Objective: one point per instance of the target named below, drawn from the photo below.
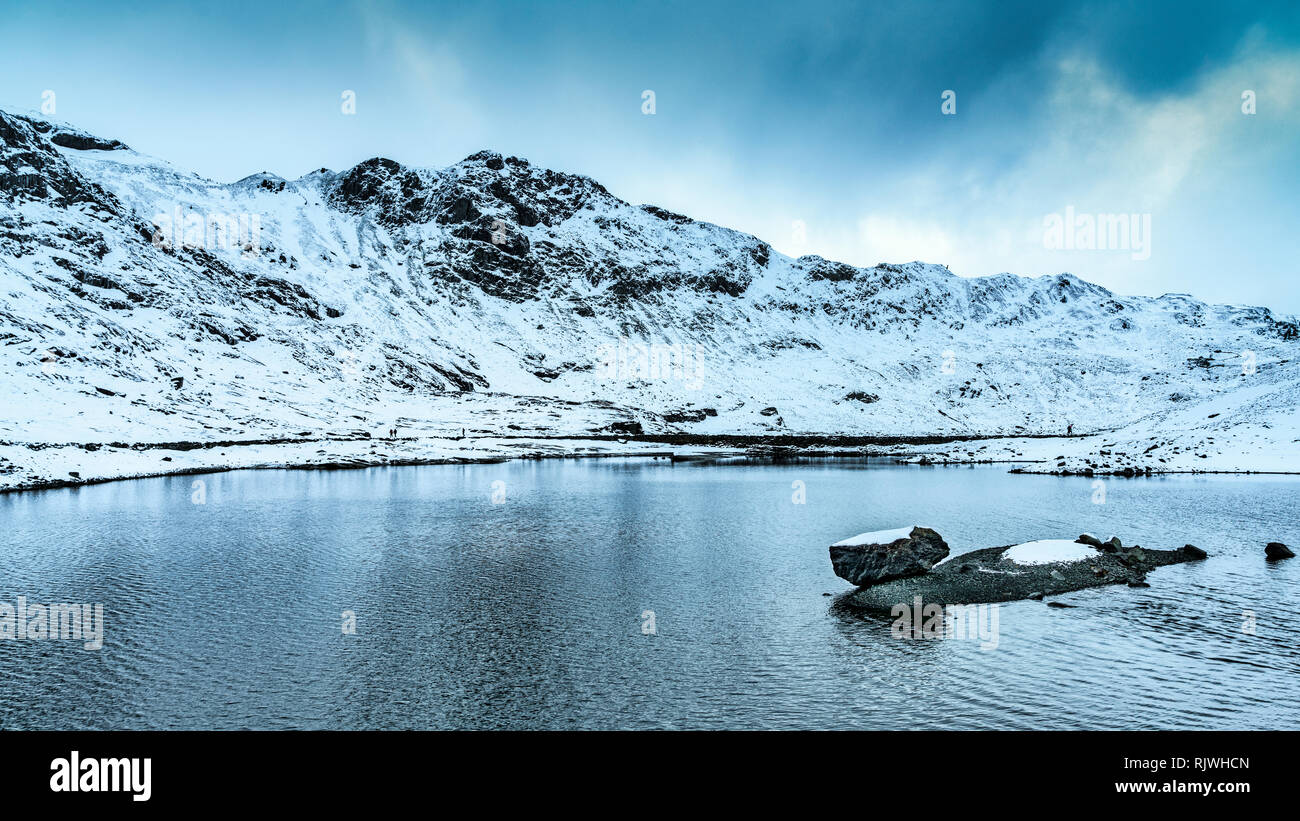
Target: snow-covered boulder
(870, 558)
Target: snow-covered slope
(502, 297)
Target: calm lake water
(531, 613)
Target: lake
(613, 593)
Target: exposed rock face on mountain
(142, 303)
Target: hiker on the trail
(1069, 429)
(462, 433)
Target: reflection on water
(531, 613)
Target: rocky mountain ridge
(507, 298)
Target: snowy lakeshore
(38, 465)
(33, 466)
(27, 467)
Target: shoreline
(37, 466)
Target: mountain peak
(489, 159)
(68, 136)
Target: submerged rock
(1276, 550)
(871, 558)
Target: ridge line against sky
(818, 128)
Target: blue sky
(816, 126)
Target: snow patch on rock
(877, 537)
(1049, 551)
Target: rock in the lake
(1112, 546)
(1276, 550)
(1193, 551)
(1133, 557)
(1090, 540)
(1031, 570)
(890, 554)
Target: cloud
(1181, 156)
(887, 238)
(430, 79)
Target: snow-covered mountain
(142, 303)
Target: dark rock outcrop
(32, 169)
(1276, 551)
(629, 428)
(1133, 557)
(85, 142)
(690, 415)
(862, 396)
(872, 563)
(987, 576)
